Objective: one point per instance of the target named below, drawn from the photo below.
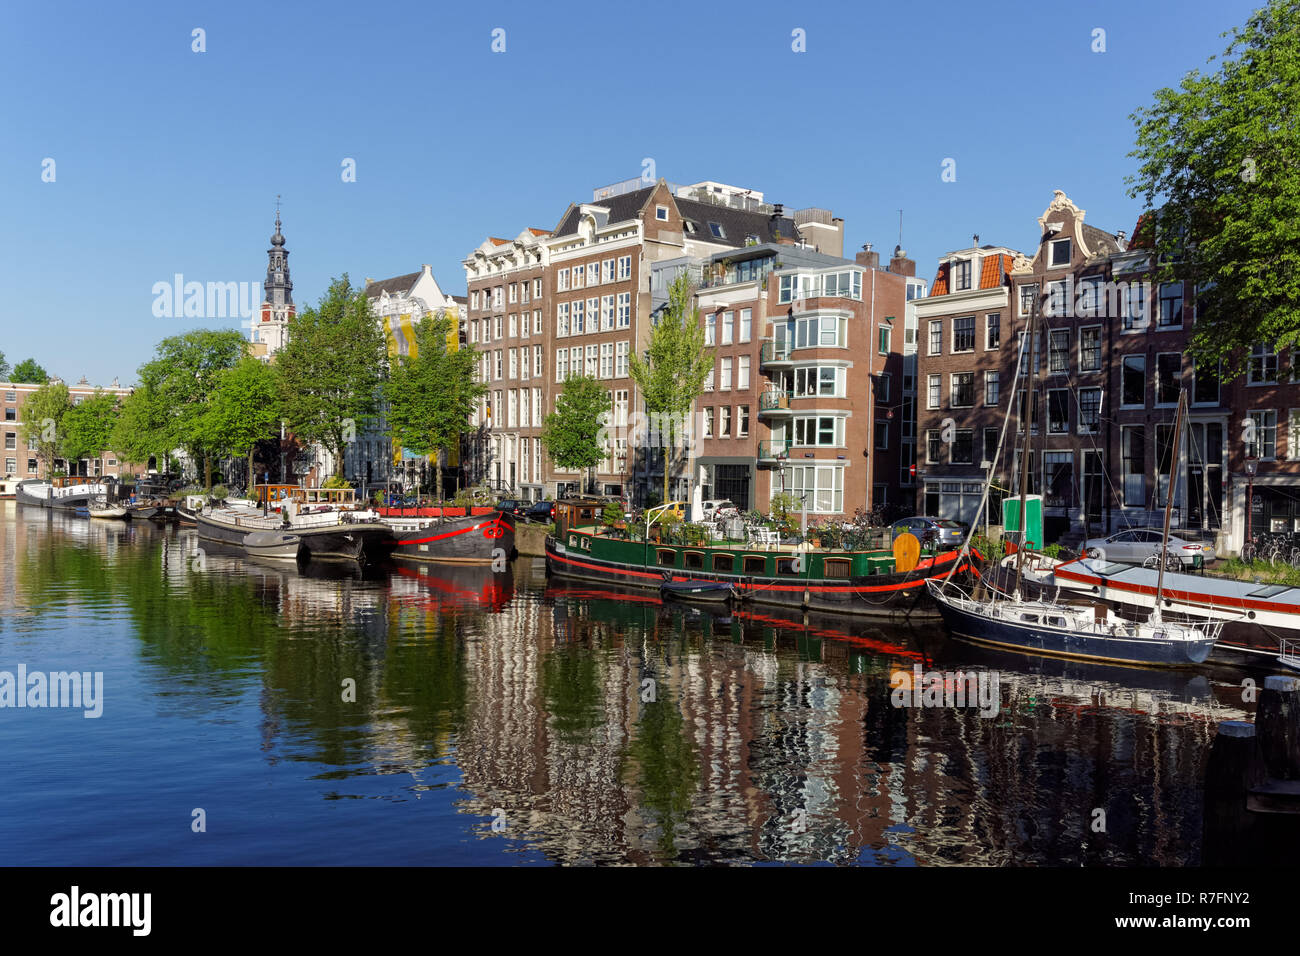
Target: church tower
(277, 305)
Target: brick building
(20, 461)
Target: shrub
(336, 481)
(220, 492)
(612, 514)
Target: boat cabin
(72, 481)
(274, 494)
(338, 497)
(576, 513)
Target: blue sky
(168, 160)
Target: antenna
(900, 228)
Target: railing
(774, 450)
(773, 400)
(773, 352)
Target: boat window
(573, 540)
(667, 557)
(1110, 567)
(1270, 590)
(1056, 621)
(1030, 618)
(724, 562)
(836, 567)
(693, 559)
(755, 564)
(788, 566)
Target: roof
(498, 242)
(393, 286)
(538, 232)
(462, 299)
(993, 269)
(1100, 241)
(736, 224)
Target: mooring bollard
(1233, 767)
(1278, 721)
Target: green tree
(4, 367)
(141, 429)
(1217, 165)
(43, 414)
(244, 409)
(27, 372)
(332, 368)
(87, 426)
(182, 379)
(574, 433)
(431, 392)
(671, 376)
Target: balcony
(773, 354)
(774, 402)
(773, 452)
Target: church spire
(279, 287)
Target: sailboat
(1094, 632)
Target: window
(514, 324)
(1133, 306)
(625, 267)
(1090, 349)
(523, 295)
(711, 329)
(1133, 450)
(932, 446)
(963, 390)
(814, 331)
(706, 421)
(724, 380)
(537, 289)
(562, 281)
(499, 361)
(593, 359)
(514, 363)
(742, 373)
(1028, 293)
(728, 326)
(724, 421)
(1261, 434)
(473, 300)
(1133, 381)
(593, 274)
(497, 333)
(990, 447)
(620, 359)
(513, 293)
(1169, 368)
(963, 447)
(1058, 352)
(1057, 299)
(746, 321)
(1036, 358)
(822, 486)
(624, 309)
(1263, 365)
(1171, 304)
(11, 466)
(1020, 412)
(496, 297)
(936, 337)
(1089, 411)
(561, 364)
(716, 230)
(991, 383)
(606, 359)
(1205, 385)
(11, 414)
(562, 319)
(883, 345)
(1058, 479)
(1088, 304)
(824, 430)
(846, 285)
(742, 422)
(578, 311)
(828, 381)
(992, 330)
(961, 275)
(593, 315)
(963, 334)
(1059, 253)
(1058, 411)
(883, 382)
(537, 420)
(882, 433)
(607, 313)
(932, 392)
(577, 277)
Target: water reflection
(603, 726)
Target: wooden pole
(1027, 419)
(1278, 720)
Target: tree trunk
(252, 479)
(437, 476)
(207, 473)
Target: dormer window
(661, 213)
(961, 275)
(717, 231)
(1059, 253)
(691, 228)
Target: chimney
(900, 264)
(868, 258)
(1121, 239)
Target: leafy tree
(432, 391)
(671, 376)
(244, 408)
(1217, 164)
(87, 426)
(27, 372)
(43, 414)
(140, 430)
(182, 379)
(4, 367)
(574, 433)
(332, 368)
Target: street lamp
(1252, 468)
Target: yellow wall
(400, 333)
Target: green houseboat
(820, 579)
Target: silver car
(943, 532)
(1137, 545)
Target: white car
(1136, 545)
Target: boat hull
(478, 539)
(880, 595)
(992, 632)
(35, 494)
(280, 545)
(343, 541)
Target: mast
(1169, 502)
(1027, 417)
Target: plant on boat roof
(783, 507)
(612, 514)
(220, 492)
(336, 481)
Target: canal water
(255, 714)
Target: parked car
(711, 506)
(513, 506)
(942, 532)
(542, 512)
(1136, 545)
